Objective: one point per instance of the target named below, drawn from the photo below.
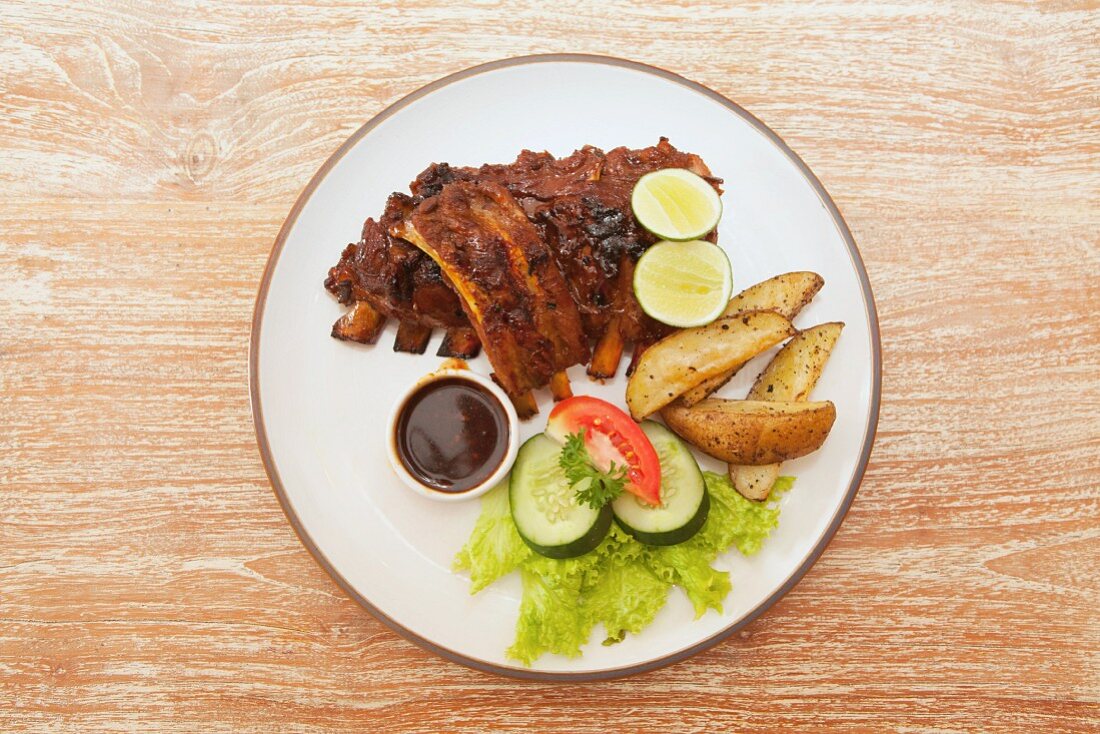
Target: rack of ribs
(506, 279)
(579, 208)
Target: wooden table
(148, 155)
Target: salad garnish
(594, 487)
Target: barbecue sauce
(452, 434)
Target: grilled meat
(462, 343)
(580, 210)
(360, 324)
(581, 206)
(506, 278)
(396, 278)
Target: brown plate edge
(523, 673)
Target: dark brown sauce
(452, 434)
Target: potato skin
(687, 357)
(785, 294)
(752, 432)
(754, 482)
(794, 371)
(791, 375)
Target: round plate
(320, 405)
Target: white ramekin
(511, 421)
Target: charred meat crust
(510, 287)
(460, 343)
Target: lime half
(683, 283)
(676, 204)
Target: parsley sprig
(603, 486)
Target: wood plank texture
(148, 155)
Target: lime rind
(676, 204)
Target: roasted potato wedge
(752, 432)
(785, 294)
(754, 482)
(795, 369)
(687, 357)
(791, 375)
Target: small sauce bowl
(440, 422)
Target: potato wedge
(687, 357)
(752, 432)
(796, 368)
(791, 375)
(785, 294)
(754, 482)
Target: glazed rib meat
(506, 278)
(397, 279)
(581, 206)
(578, 209)
(388, 277)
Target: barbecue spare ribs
(533, 259)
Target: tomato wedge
(610, 435)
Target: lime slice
(683, 283)
(676, 204)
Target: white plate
(320, 405)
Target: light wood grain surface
(148, 155)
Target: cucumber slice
(544, 505)
(684, 499)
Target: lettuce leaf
(622, 584)
(556, 614)
(688, 566)
(736, 521)
(494, 548)
(625, 595)
(550, 619)
(733, 521)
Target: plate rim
(274, 479)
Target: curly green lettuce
(622, 584)
(494, 548)
(624, 594)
